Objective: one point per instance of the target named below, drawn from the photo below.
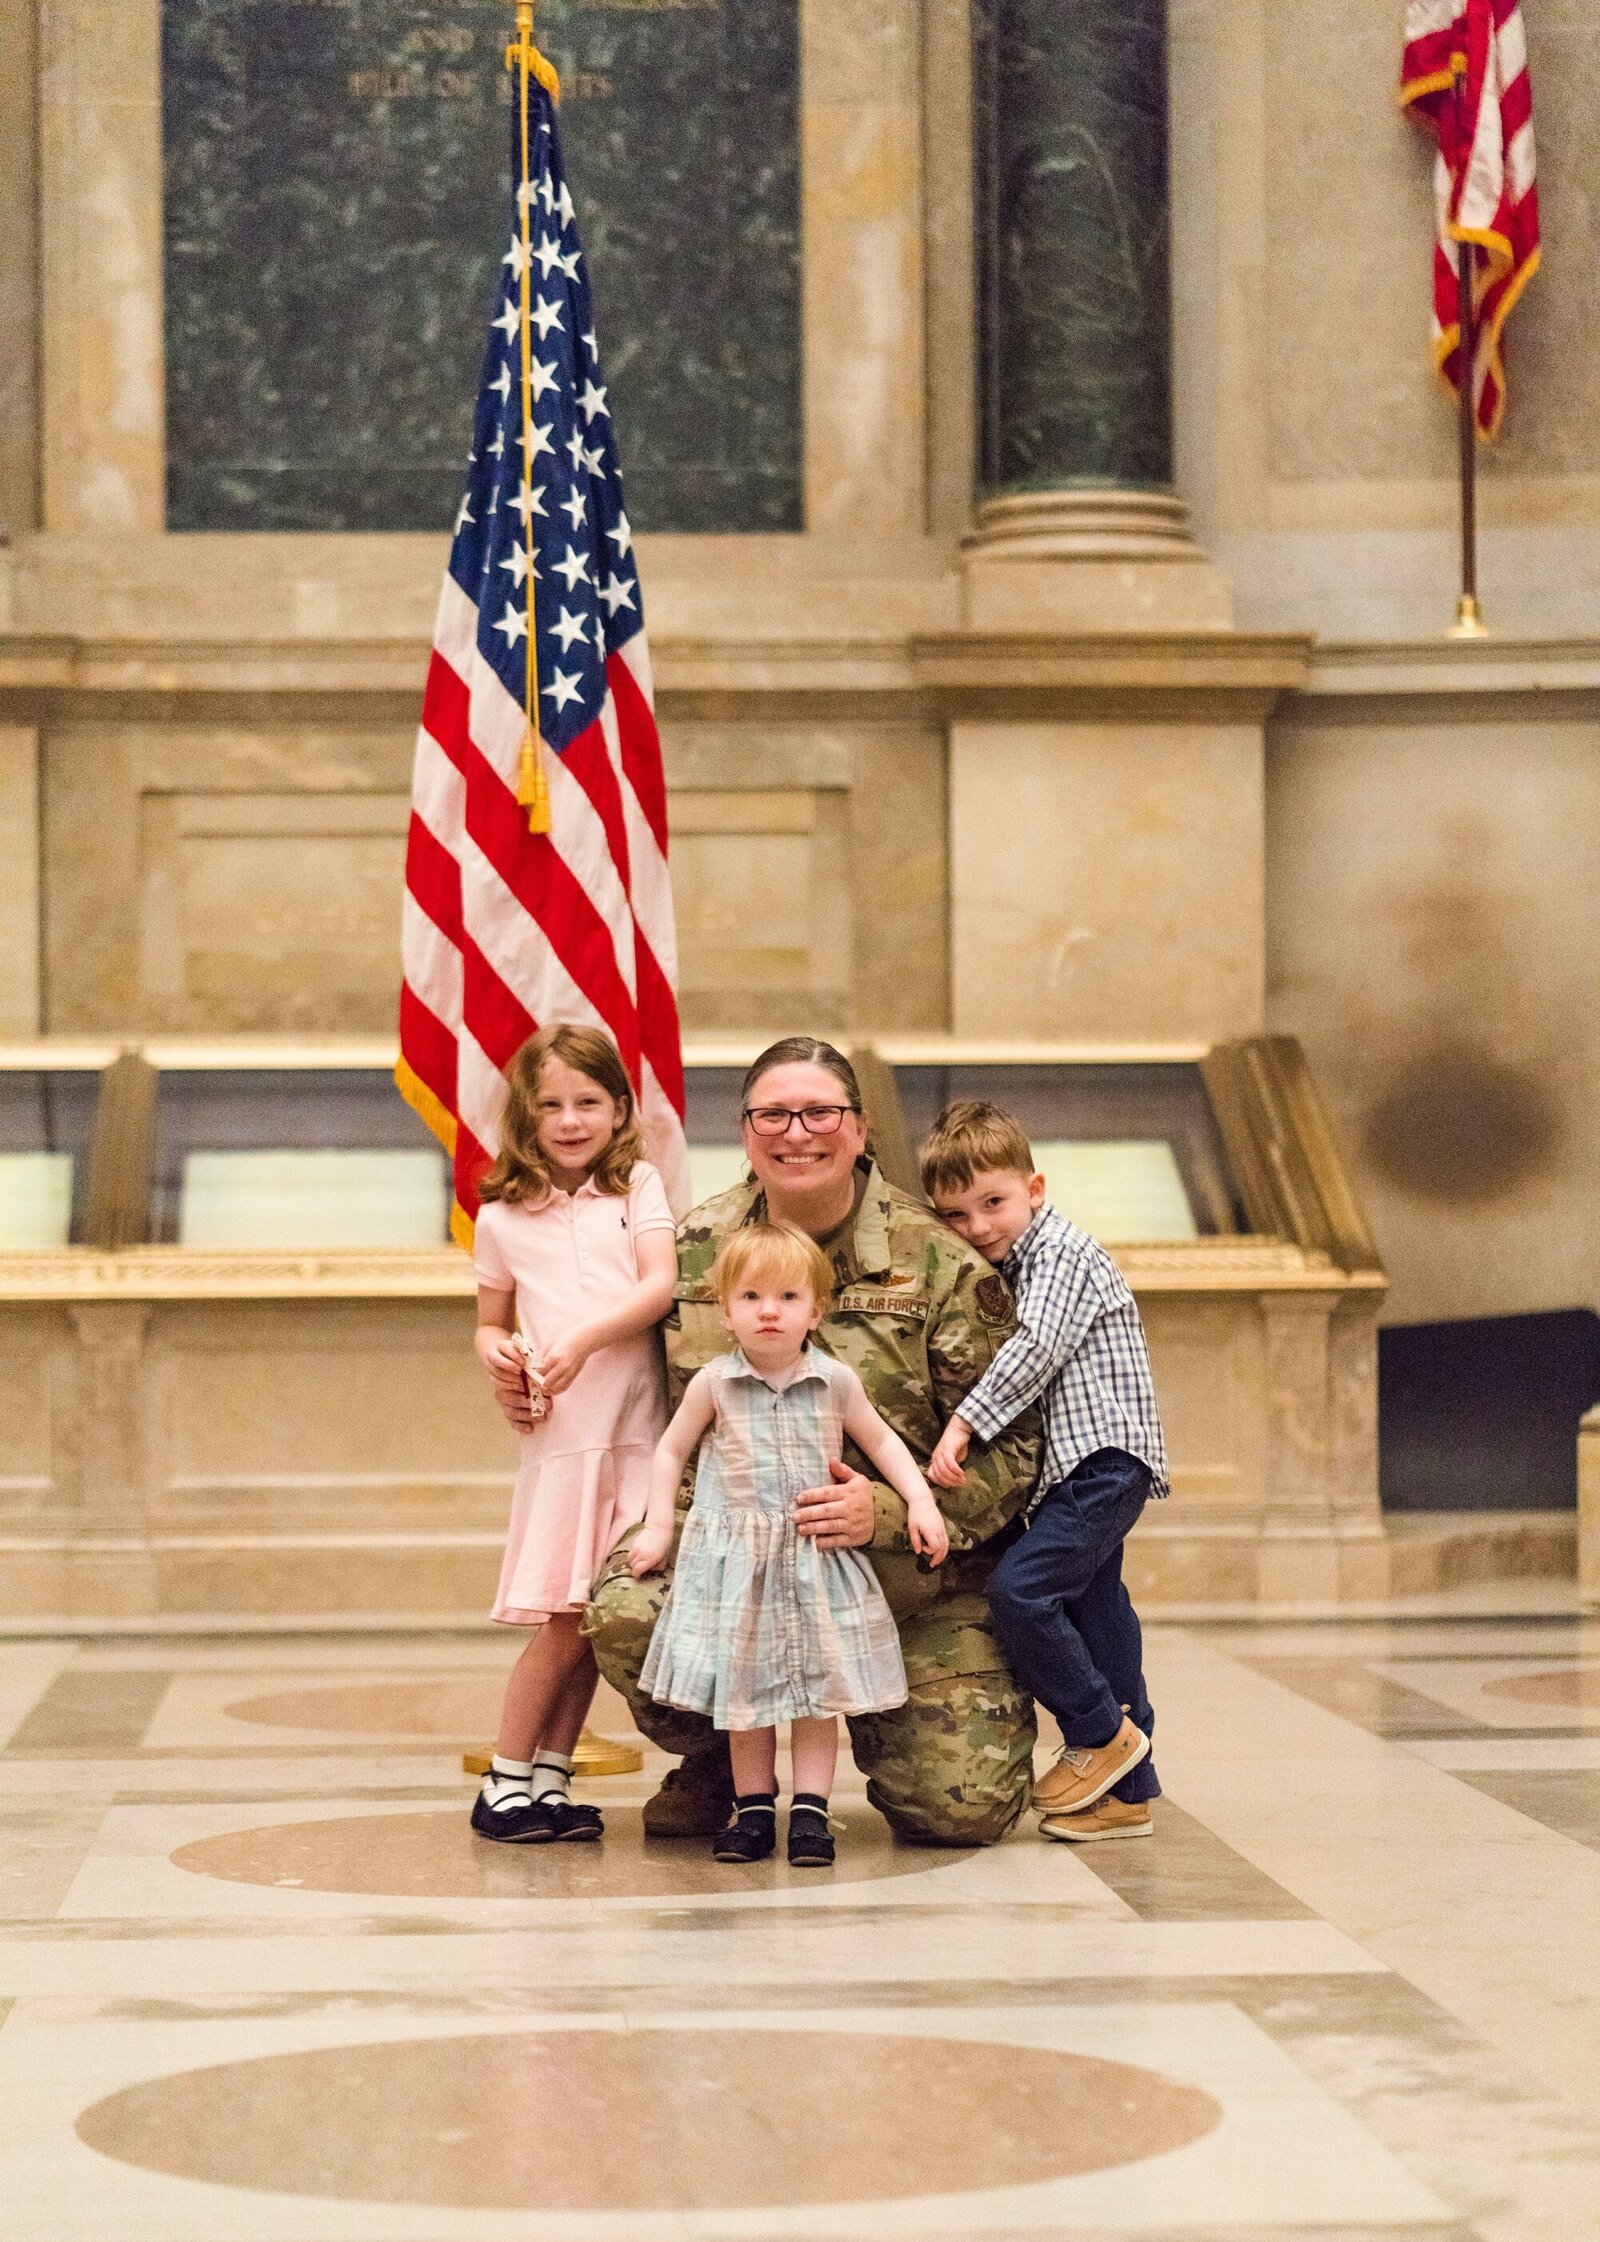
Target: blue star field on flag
(585, 583)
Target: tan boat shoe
(1080, 1775)
(1108, 1817)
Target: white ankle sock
(551, 1776)
(507, 1783)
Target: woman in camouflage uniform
(919, 1316)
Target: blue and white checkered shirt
(1080, 1346)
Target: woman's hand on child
(930, 1536)
(944, 1468)
(649, 1551)
(562, 1360)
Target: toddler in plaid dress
(760, 1625)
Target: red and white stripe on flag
(1465, 77)
(506, 931)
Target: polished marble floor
(257, 1980)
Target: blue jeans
(1063, 1617)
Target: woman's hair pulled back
(522, 1171)
(804, 1050)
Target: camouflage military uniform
(919, 1316)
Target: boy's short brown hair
(970, 1136)
(772, 1248)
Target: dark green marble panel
(335, 213)
(1074, 315)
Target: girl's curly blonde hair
(522, 1172)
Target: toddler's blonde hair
(771, 1249)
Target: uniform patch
(993, 1296)
(879, 1303)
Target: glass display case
(1129, 1150)
(293, 1151)
(47, 1127)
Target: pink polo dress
(584, 1476)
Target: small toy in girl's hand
(538, 1399)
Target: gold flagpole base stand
(1469, 622)
(594, 1755)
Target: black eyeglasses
(816, 1120)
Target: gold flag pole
(592, 1755)
(522, 56)
(1469, 622)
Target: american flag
(506, 930)
(1465, 77)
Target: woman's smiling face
(800, 1168)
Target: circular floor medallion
(465, 1707)
(422, 1855)
(1574, 1687)
(670, 2120)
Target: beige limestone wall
(216, 860)
(862, 308)
(1105, 879)
(1433, 931)
(20, 982)
(1314, 441)
(19, 277)
(100, 230)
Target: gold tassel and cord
(533, 788)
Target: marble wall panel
(100, 270)
(390, 1411)
(900, 880)
(1433, 889)
(948, 245)
(19, 880)
(205, 878)
(1352, 393)
(19, 272)
(335, 185)
(1105, 879)
(29, 1350)
(1206, 1359)
(864, 350)
(257, 907)
(761, 882)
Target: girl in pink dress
(576, 1261)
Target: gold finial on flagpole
(541, 65)
(522, 56)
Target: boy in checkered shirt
(1056, 1597)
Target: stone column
(1074, 327)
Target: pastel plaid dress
(760, 1625)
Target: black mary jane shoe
(575, 1825)
(513, 1825)
(752, 1835)
(810, 1839)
